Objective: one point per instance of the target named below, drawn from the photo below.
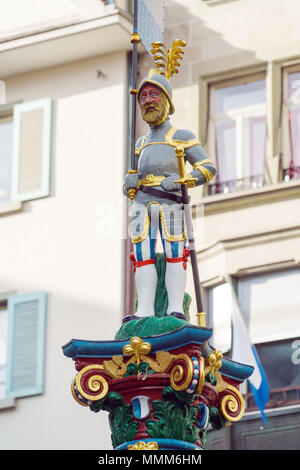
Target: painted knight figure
(155, 188)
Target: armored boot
(145, 281)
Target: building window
(270, 304)
(6, 154)
(281, 364)
(237, 133)
(3, 346)
(25, 148)
(22, 344)
(291, 124)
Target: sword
(184, 181)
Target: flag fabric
(151, 19)
(244, 351)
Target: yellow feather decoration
(169, 60)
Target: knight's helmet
(167, 63)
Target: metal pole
(191, 239)
(134, 40)
(129, 297)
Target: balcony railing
(291, 173)
(283, 396)
(232, 186)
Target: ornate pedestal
(161, 383)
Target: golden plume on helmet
(167, 63)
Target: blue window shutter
(26, 344)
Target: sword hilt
(184, 178)
(179, 150)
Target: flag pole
(135, 39)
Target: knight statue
(154, 186)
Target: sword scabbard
(184, 179)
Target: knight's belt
(161, 194)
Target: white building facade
(64, 131)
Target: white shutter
(32, 148)
(26, 344)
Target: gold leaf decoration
(143, 446)
(168, 61)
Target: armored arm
(203, 168)
(132, 179)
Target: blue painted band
(183, 336)
(188, 334)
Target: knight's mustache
(150, 107)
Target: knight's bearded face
(154, 105)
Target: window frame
(241, 117)
(286, 152)
(7, 116)
(6, 402)
(40, 336)
(275, 392)
(14, 111)
(245, 387)
(277, 139)
(6, 112)
(3, 307)
(46, 105)
(11, 299)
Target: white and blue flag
(244, 351)
(151, 19)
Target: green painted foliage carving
(122, 425)
(173, 419)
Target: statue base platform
(161, 383)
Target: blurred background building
(64, 269)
